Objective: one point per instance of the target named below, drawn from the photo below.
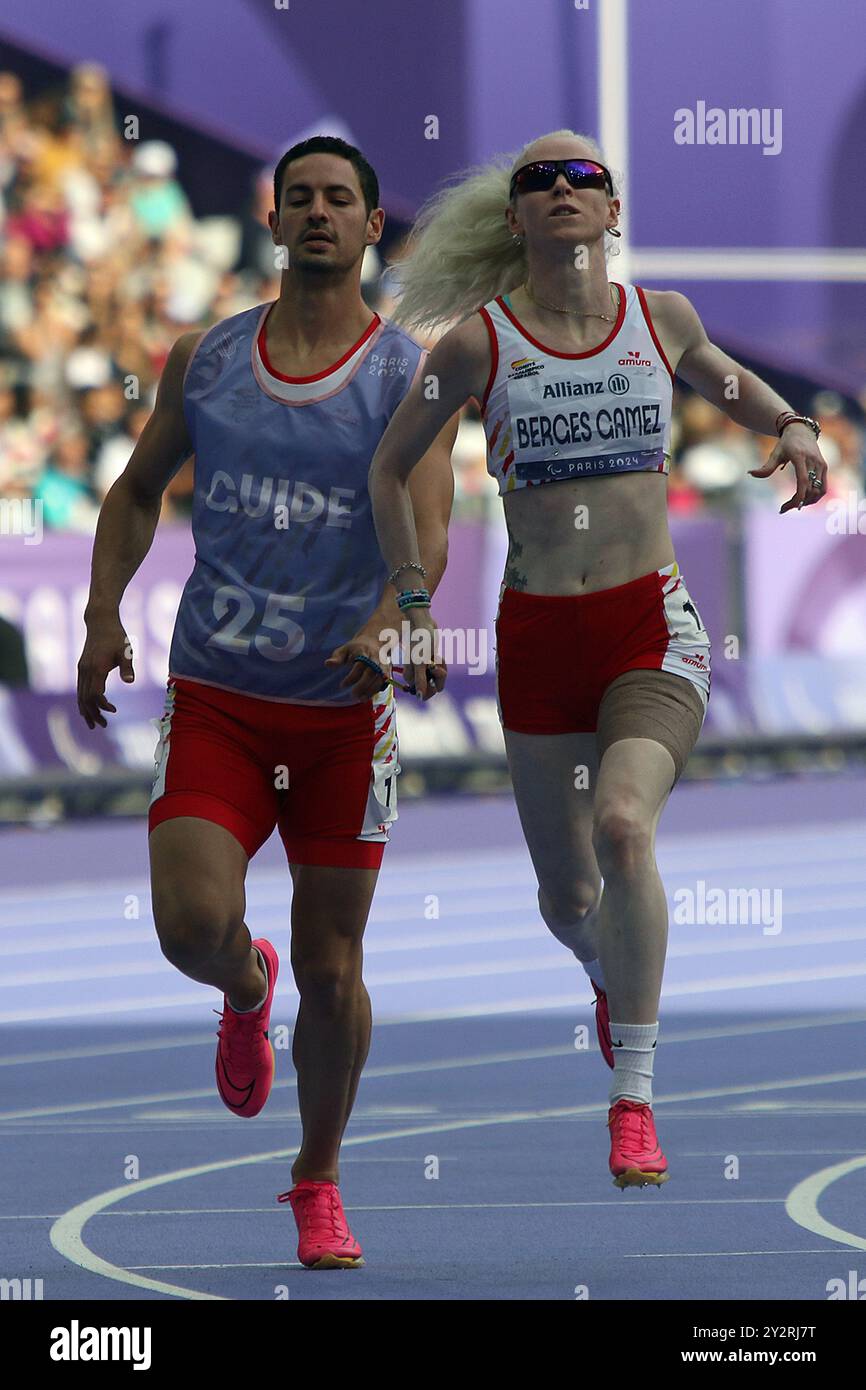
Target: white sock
(633, 1056)
(256, 1007)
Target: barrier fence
(784, 601)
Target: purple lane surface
(87, 849)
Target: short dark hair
(331, 144)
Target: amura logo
(633, 359)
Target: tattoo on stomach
(513, 578)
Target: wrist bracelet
(373, 665)
(413, 598)
(789, 418)
(409, 565)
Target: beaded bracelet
(413, 598)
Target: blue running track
(475, 1164)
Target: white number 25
(235, 635)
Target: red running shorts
(557, 655)
(325, 775)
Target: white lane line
(289, 1123)
(718, 1254)
(75, 1054)
(416, 1068)
(787, 1152)
(67, 1238)
(418, 941)
(685, 990)
(802, 1202)
(843, 1107)
(66, 1234)
(463, 1206)
(522, 897)
(485, 969)
(784, 941)
(262, 881)
(401, 864)
(66, 941)
(61, 916)
(290, 1083)
(414, 940)
(244, 1264)
(265, 889)
(373, 979)
(739, 1030)
(394, 1206)
(129, 1005)
(80, 974)
(720, 983)
(500, 864)
(53, 907)
(674, 1255)
(474, 1009)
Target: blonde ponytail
(462, 253)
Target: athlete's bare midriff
(578, 535)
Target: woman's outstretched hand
(799, 447)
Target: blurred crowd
(103, 264)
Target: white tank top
(550, 415)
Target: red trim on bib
(494, 357)
(572, 356)
(649, 323)
(318, 376)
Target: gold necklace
(576, 312)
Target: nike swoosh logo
(227, 1083)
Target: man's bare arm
(125, 530)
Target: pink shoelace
(240, 1040)
(326, 1221)
(633, 1130)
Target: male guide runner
(603, 664)
(277, 709)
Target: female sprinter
(603, 664)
